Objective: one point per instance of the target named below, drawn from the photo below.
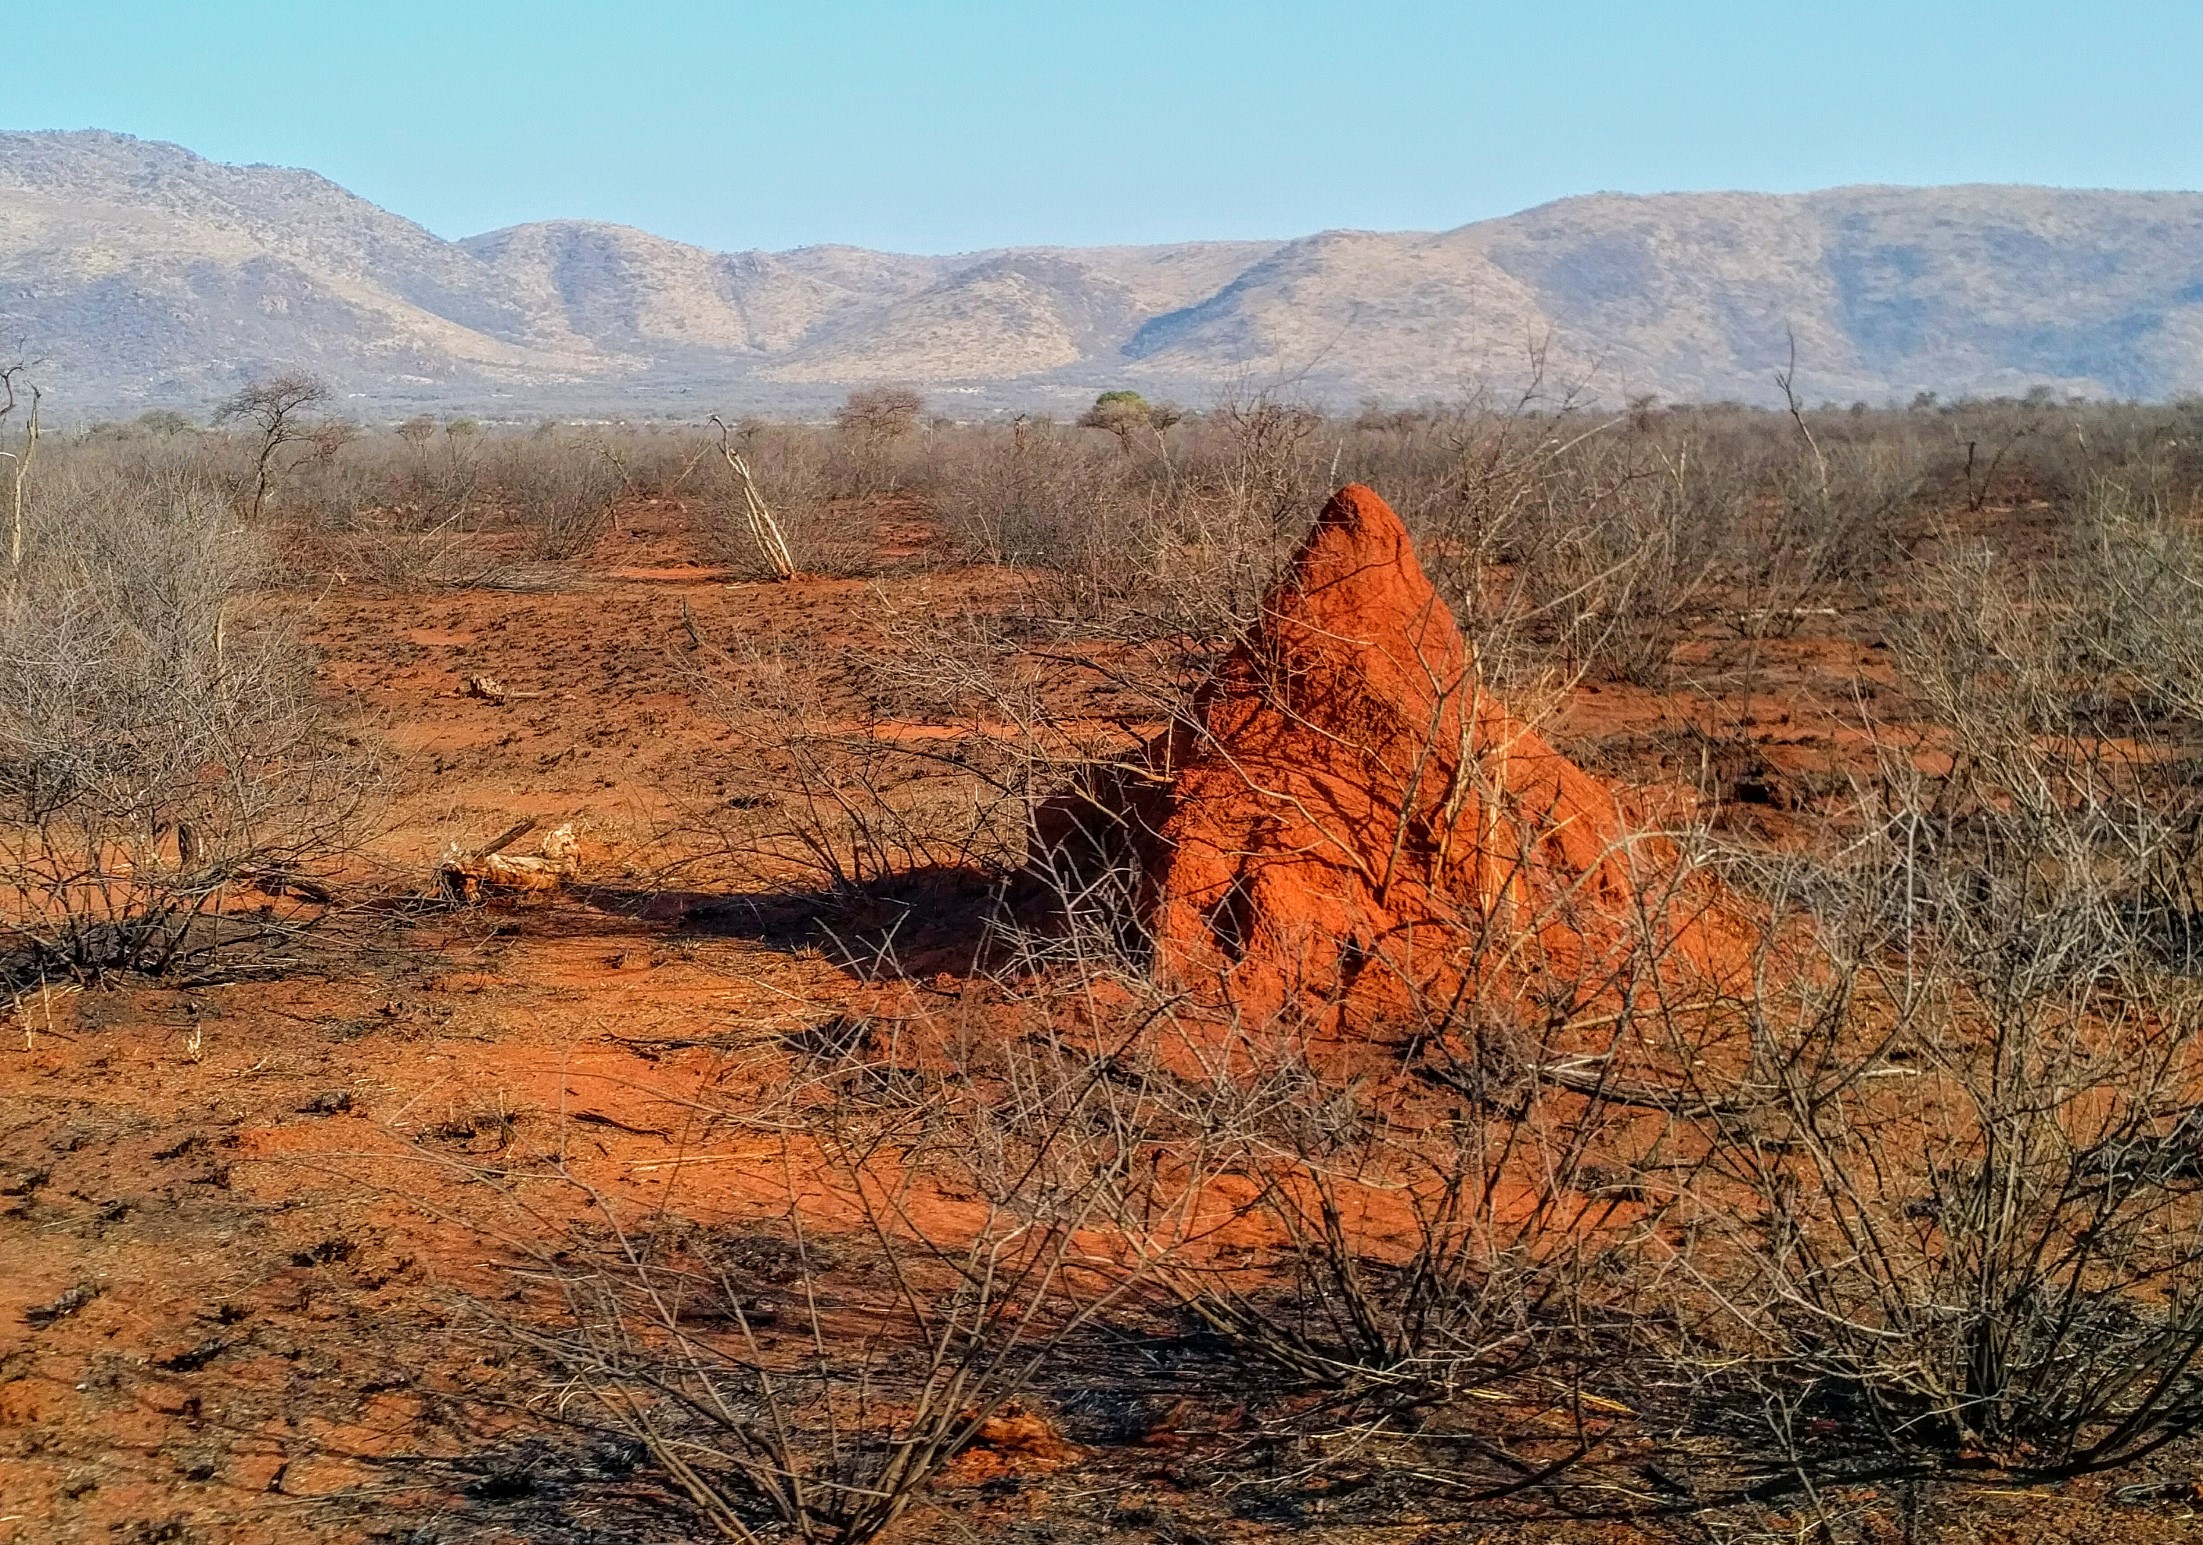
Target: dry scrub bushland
(1916, 1194)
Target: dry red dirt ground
(234, 1219)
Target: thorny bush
(169, 788)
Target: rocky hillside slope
(141, 274)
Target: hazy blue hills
(140, 274)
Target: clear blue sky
(941, 125)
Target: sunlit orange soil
(262, 1191)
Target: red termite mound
(1350, 821)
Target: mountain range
(138, 274)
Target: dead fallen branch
(489, 871)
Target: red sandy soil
(228, 1170)
(233, 1219)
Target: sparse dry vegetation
(1913, 1198)
(171, 790)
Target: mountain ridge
(142, 274)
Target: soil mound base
(1351, 816)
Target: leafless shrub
(275, 411)
(1425, 1283)
(168, 789)
(790, 1381)
(462, 504)
(871, 425)
(401, 509)
(1949, 1217)
(837, 792)
(1830, 523)
(2136, 575)
(1943, 1217)
(879, 413)
(1178, 532)
(560, 489)
(1026, 495)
